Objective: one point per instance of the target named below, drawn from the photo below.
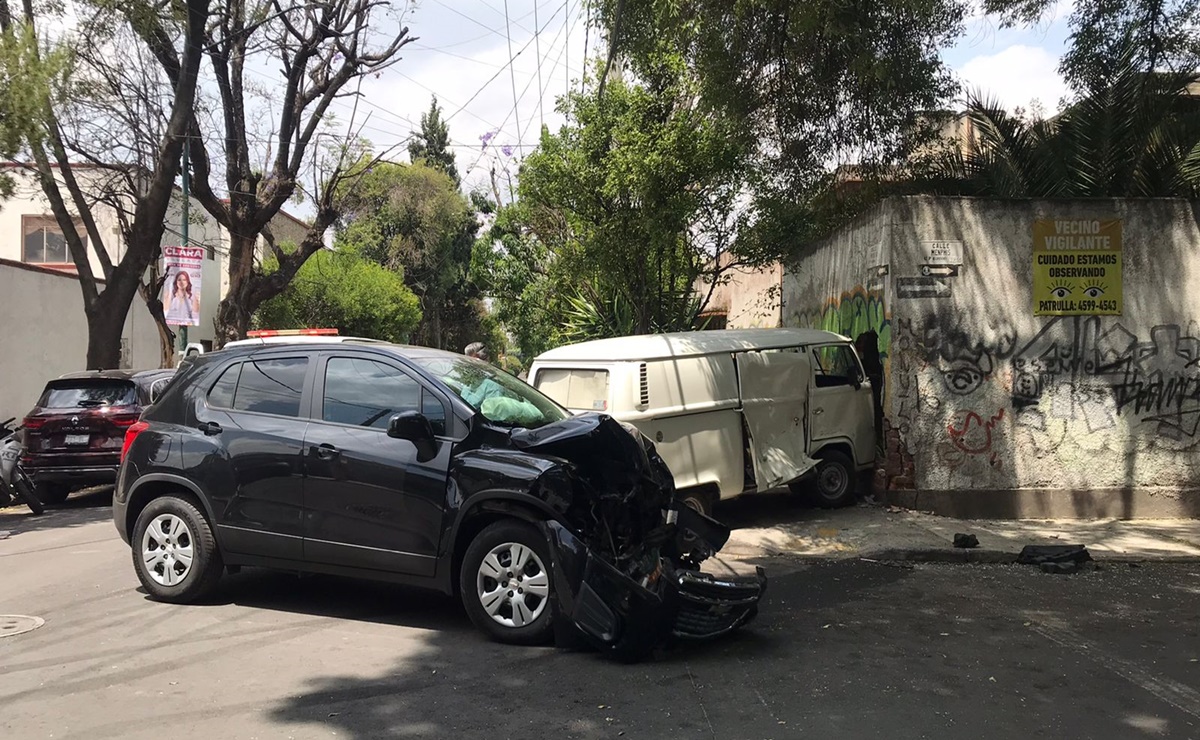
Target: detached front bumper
(614, 612)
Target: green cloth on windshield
(510, 411)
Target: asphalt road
(847, 649)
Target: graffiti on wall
(855, 312)
(1080, 369)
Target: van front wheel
(834, 482)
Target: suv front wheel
(174, 551)
(505, 583)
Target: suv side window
(366, 393)
(221, 394)
(435, 411)
(271, 386)
(834, 365)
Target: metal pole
(183, 230)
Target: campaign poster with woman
(181, 291)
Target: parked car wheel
(505, 583)
(53, 493)
(27, 494)
(698, 499)
(834, 481)
(174, 551)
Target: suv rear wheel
(174, 551)
(505, 583)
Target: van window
(834, 365)
(576, 389)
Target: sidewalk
(775, 524)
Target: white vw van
(730, 411)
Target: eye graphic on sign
(1093, 290)
(1060, 290)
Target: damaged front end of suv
(625, 554)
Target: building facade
(41, 304)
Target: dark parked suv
(426, 468)
(73, 435)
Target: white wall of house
(41, 305)
(45, 334)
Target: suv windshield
(75, 394)
(501, 398)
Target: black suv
(427, 468)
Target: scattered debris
(1038, 554)
(894, 510)
(965, 540)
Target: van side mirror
(413, 426)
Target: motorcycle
(14, 483)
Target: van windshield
(499, 397)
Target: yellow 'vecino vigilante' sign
(1076, 267)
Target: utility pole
(183, 231)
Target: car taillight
(124, 420)
(33, 422)
(131, 434)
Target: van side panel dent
(774, 387)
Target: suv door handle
(326, 451)
(209, 427)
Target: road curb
(1001, 557)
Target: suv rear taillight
(131, 434)
(33, 422)
(124, 420)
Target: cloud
(1016, 76)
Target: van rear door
(774, 393)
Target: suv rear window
(73, 394)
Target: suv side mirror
(413, 426)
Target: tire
(520, 617)
(699, 499)
(25, 492)
(53, 493)
(834, 484)
(167, 528)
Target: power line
(520, 136)
(537, 50)
(491, 79)
(512, 70)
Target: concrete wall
(992, 410)
(45, 334)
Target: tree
(341, 289)
(1108, 36)
(618, 214)
(431, 145)
(143, 160)
(322, 50)
(413, 218)
(809, 86)
(1138, 136)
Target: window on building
(43, 241)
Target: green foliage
(1137, 136)
(413, 218)
(605, 237)
(30, 78)
(341, 289)
(431, 145)
(1109, 35)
